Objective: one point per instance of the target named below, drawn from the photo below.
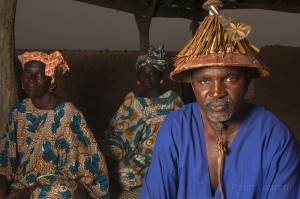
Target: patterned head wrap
(52, 62)
(219, 41)
(155, 58)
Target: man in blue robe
(221, 146)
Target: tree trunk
(8, 81)
(143, 23)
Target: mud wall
(280, 92)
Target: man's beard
(222, 106)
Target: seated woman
(48, 151)
(132, 131)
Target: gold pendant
(221, 147)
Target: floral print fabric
(54, 148)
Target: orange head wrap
(52, 62)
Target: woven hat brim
(258, 68)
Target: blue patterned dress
(131, 136)
(54, 148)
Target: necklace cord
(222, 151)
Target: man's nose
(217, 90)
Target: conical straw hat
(219, 41)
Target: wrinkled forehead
(219, 69)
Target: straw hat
(219, 41)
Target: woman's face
(149, 77)
(34, 80)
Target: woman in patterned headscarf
(133, 129)
(48, 151)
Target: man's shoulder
(188, 109)
(268, 124)
(184, 114)
(266, 117)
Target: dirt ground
(99, 80)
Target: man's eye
(229, 79)
(204, 81)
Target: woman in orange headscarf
(48, 151)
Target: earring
(138, 82)
(52, 87)
(22, 86)
(161, 81)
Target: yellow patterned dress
(131, 135)
(54, 148)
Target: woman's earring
(22, 86)
(138, 82)
(161, 81)
(52, 87)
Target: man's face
(220, 91)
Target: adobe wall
(99, 80)
(280, 92)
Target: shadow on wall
(99, 81)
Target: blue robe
(264, 159)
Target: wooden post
(143, 23)
(8, 80)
